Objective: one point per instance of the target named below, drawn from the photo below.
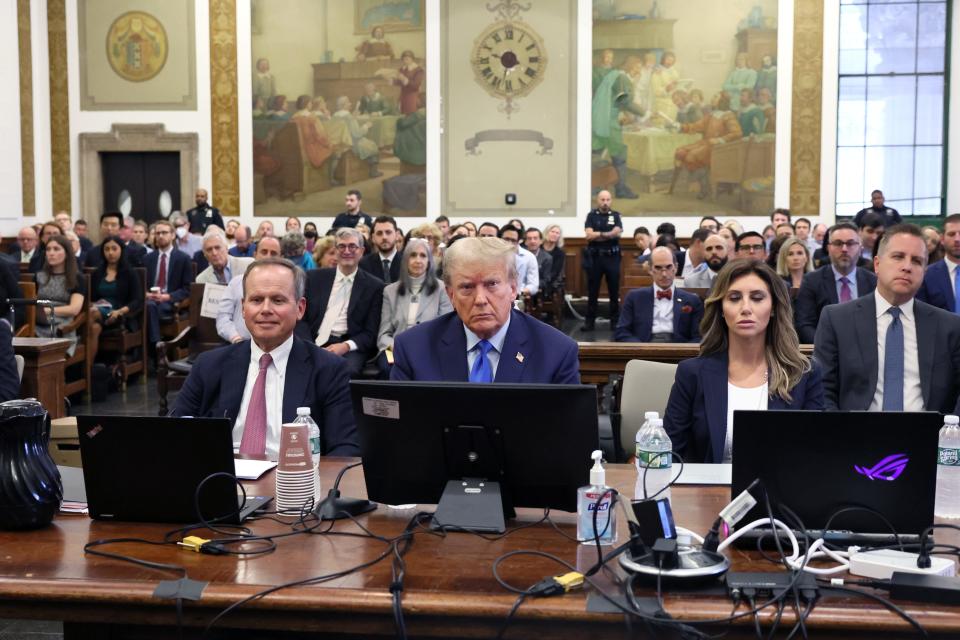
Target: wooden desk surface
(449, 587)
(39, 345)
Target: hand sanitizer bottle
(596, 496)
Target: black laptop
(147, 469)
(817, 463)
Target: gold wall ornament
(806, 121)
(137, 46)
(28, 177)
(59, 104)
(223, 107)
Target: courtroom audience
(26, 246)
(230, 324)
(417, 296)
(325, 252)
(751, 246)
(59, 281)
(709, 223)
(889, 351)
(311, 234)
(222, 267)
(184, 241)
(243, 244)
(730, 237)
(528, 273)
(839, 281)
(259, 383)
(734, 226)
(384, 262)
(264, 229)
(115, 293)
(169, 274)
(692, 260)
(871, 228)
(293, 247)
(779, 216)
(660, 313)
(488, 230)
(431, 232)
(533, 242)
(750, 359)
(715, 256)
(553, 244)
(343, 305)
(935, 249)
(793, 261)
(471, 228)
(293, 224)
(939, 286)
(486, 340)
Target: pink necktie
(254, 441)
(845, 293)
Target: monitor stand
(471, 504)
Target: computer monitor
(476, 450)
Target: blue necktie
(893, 364)
(956, 289)
(482, 371)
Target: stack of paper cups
(296, 475)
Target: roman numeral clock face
(509, 60)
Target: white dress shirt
(494, 354)
(952, 272)
(662, 312)
(742, 399)
(276, 375)
(528, 272)
(689, 268)
(339, 314)
(912, 391)
(230, 321)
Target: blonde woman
(749, 359)
(325, 252)
(793, 261)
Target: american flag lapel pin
(519, 357)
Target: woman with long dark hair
(59, 282)
(115, 290)
(749, 358)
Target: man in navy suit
(384, 263)
(661, 313)
(889, 351)
(484, 339)
(259, 383)
(169, 275)
(939, 286)
(840, 281)
(343, 305)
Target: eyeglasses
(840, 244)
(512, 240)
(752, 248)
(347, 248)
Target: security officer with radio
(203, 215)
(601, 257)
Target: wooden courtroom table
(600, 360)
(449, 590)
(43, 371)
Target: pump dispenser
(596, 496)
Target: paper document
(697, 473)
(252, 469)
(211, 299)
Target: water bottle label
(654, 459)
(315, 445)
(948, 457)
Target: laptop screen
(817, 463)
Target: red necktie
(664, 294)
(162, 273)
(254, 439)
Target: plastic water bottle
(647, 417)
(303, 417)
(654, 458)
(948, 469)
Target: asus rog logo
(889, 468)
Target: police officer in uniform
(203, 214)
(890, 216)
(602, 258)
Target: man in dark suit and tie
(940, 283)
(889, 351)
(259, 383)
(110, 225)
(484, 339)
(383, 263)
(661, 313)
(169, 275)
(839, 281)
(343, 305)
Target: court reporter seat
(645, 386)
(201, 335)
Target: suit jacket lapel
(511, 364)
(865, 327)
(295, 380)
(233, 380)
(358, 276)
(453, 352)
(926, 323)
(943, 274)
(714, 379)
(677, 310)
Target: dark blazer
(200, 219)
(128, 289)
(179, 273)
(819, 289)
(696, 415)
(372, 263)
(533, 352)
(314, 378)
(850, 372)
(10, 288)
(9, 382)
(85, 244)
(636, 318)
(557, 268)
(344, 219)
(936, 288)
(136, 255)
(363, 313)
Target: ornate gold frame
(223, 106)
(806, 122)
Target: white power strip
(881, 564)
